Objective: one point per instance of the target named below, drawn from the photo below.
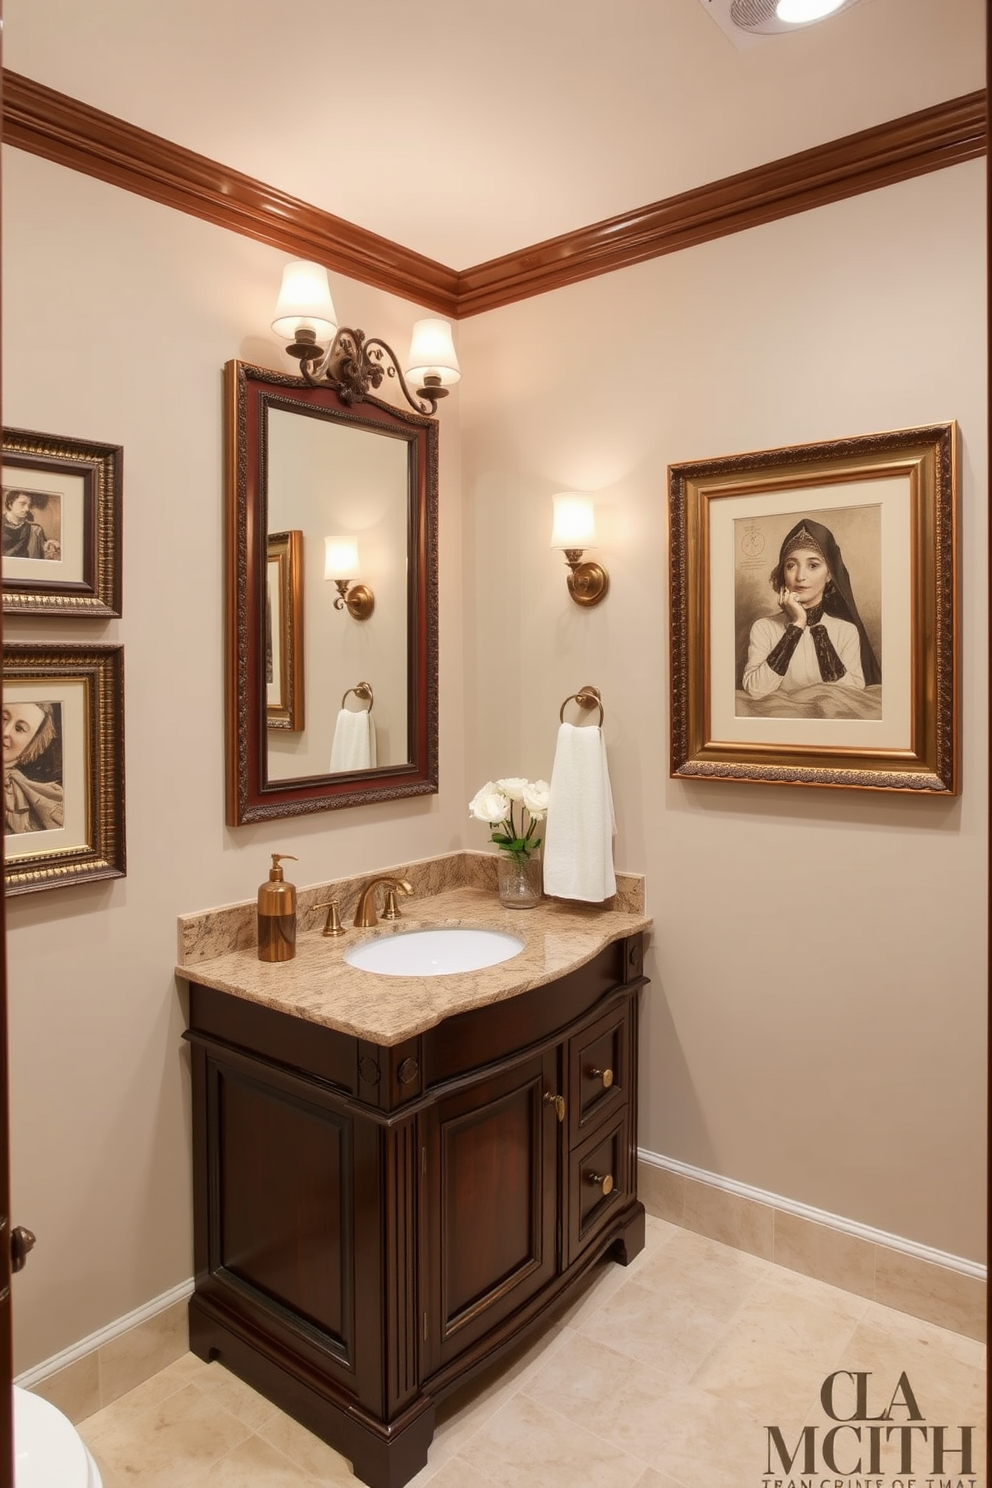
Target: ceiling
(466, 131)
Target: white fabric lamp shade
(575, 521)
(432, 353)
(340, 557)
(305, 302)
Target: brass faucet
(365, 914)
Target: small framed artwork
(813, 625)
(63, 765)
(284, 631)
(61, 526)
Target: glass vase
(518, 876)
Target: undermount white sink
(442, 952)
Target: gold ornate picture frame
(61, 526)
(63, 748)
(864, 530)
(284, 672)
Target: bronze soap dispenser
(277, 914)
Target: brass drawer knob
(604, 1184)
(558, 1101)
(606, 1075)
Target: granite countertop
(320, 987)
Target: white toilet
(48, 1451)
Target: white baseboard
(85, 1346)
(818, 1216)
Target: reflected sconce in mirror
(352, 363)
(574, 530)
(341, 565)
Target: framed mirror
(331, 681)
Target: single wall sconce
(341, 565)
(575, 530)
(352, 363)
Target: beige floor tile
(220, 1387)
(74, 1390)
(259, 1465)
(668, 1332)
(718, 1274)
(455, 1473)
(826, 1254)
(729, 1218)
(787, 1336)
(142, 1351)
(652, 1479)
(167, 1445)
(308, 1452)
(525, 1445)
(945, 1371)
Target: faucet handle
(332, 925)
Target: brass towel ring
(363, 691)
(586, 697)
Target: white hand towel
(578, 837)
(354, 742)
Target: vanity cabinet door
(489, 1203)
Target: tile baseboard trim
(95, 1341)
(818, 1216)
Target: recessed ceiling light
(799, 11)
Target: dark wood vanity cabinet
(374, 1224)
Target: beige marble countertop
(319, 986)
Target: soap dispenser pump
(277, 914)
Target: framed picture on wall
(61, 526)
(63, 760)
(284, 631)
(813, 614)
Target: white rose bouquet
(496, 804)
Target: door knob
(558, 1101)
(603, 1182)
(606, 1075)
(21, 1242)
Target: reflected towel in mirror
(578, 837)
(354, 742)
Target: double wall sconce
(341, 565)
(352, 363)
(574, 530)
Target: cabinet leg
(631, 1241)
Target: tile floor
(664, 1374)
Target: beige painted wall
(142, 306)
(848, 1073)
(815, 1022)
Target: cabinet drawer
(597, 1071)
(597, 1182)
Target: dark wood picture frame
(728, 516)
(86, 686)
(87, 478)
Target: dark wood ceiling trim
(921, 142)
(60, 128)
(44, 122)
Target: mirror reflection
(328, 480)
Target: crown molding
(912, 146)
(43, 122)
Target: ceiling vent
(749, 22)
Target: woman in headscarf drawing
(30, 804)
(817, 636)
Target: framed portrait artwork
(63, 763)
(61, 526)
(284, 631)
(813, 624)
